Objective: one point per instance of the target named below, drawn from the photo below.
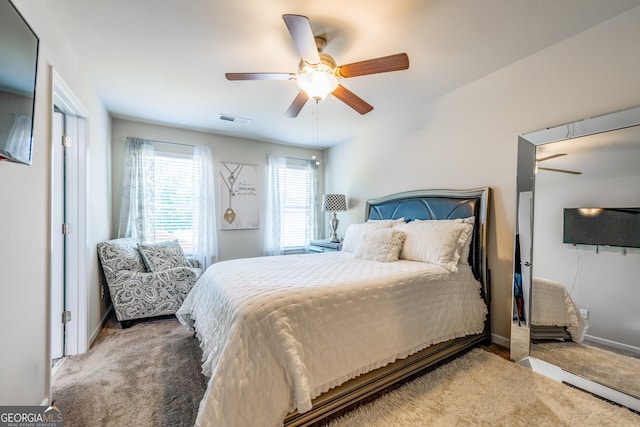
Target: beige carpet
(606, 367)
(148, 375)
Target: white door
(65, 227)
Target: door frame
(56, 288)
(77, 295)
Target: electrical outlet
(584, 313)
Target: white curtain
(136, 210)
(206, 246)
(276, 189)
(273, 230)
(312, 230)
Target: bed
(554, 315)
(293, 339)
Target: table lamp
(334, 203)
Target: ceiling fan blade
(260, 76)
(300, 29)
(352, 100)
(553, 156)
(560, 170)
(384, 64)
(297, 104)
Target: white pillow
(382, 245)
(435, 242)
(466, 247)
(389, 221)
(469, 220)
(355, 232)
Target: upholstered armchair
(146, 280)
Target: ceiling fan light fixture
(318, 80)
(317, 84)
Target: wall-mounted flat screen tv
(18, 67)
(602, 226)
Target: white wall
(605, 283)
(465, 139)
(25, 216)
(231, 243)
(468, 138)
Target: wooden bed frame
(421, 204)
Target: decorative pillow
(381, 245)
(163, 256)
(121, 254)
(436, 242)
(466, 247)
(355, 232)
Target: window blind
(174, 203)
(296, 190)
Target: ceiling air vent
(234, 119)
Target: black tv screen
(18, 66)
(602, 226)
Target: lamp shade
(334, 202)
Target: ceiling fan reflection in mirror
(553, 156)
(318, 75)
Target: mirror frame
(18, 80)
(527, 145)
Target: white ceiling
(604, 155)
(163, 61)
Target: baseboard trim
(107, 313)
(500, 340)
(97, 330)
(94, 335)
(614, 344)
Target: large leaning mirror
(577, 255)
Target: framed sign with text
(238, 196)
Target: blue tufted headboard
(442, 204)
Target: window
(291, 205)
(296, 209)
(168, 194)
(173, 204)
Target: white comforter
(551, 305)
(278, 331)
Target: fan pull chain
(315, 133)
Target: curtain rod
(124, 138)
(290, 157)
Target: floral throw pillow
(163, 256)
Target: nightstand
(317, 246)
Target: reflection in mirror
(582, 298)
(18, 63)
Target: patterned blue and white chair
(146, 280)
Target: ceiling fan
(553, 156)
(318, 75)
